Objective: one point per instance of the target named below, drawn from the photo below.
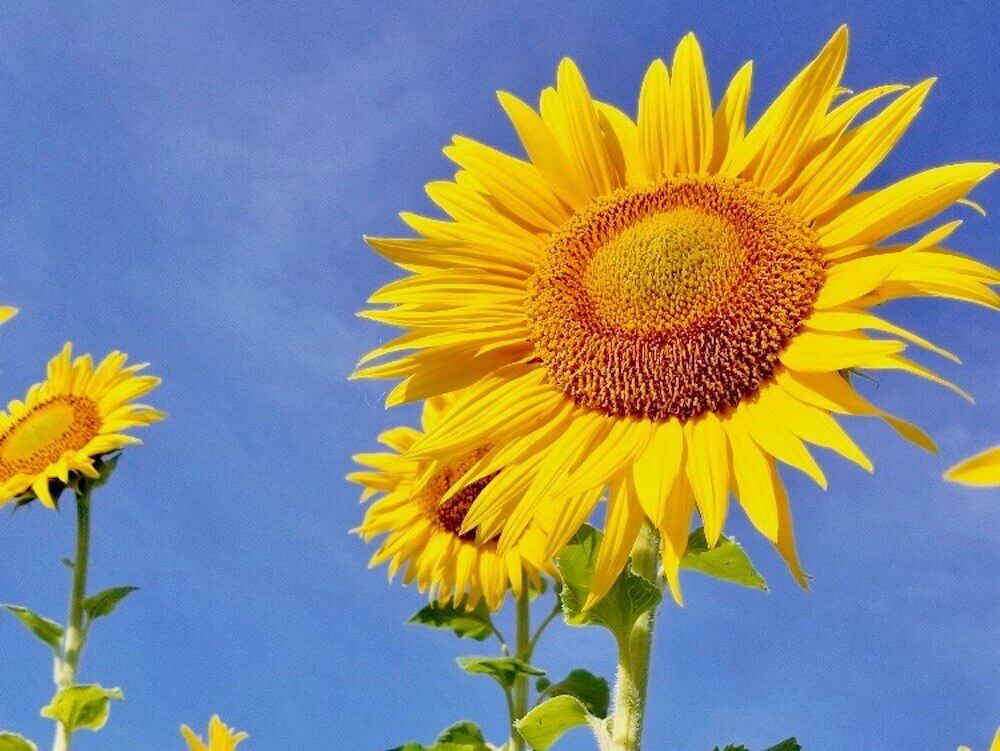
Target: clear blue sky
(190, 184)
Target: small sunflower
(220, 737)
(981, 470)
(422, 513)
(68, 421)
(665, 305)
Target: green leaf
(789, 744)
(79, 707)
(629, 597)
(467, 624)
(105, 468)
(462, 736)
(504, 670)
(546, 723)
(726, 561)
(591, 690)
(48, 631)
(104, 603)
(465, 732)
(15, 742)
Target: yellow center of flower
(40, 436)
(673, 299)
(450, 515)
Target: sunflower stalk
(68, 662)
(634, 654)
(524, 647)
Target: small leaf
(465, 732)
(546, 723)
(79, 707)
(462, 736)
(591, 690)
(542, 684)
(629, 597)
(105, 467)
(48, 631)
(536, 592)
(789, 744)
(15, 742)
(504, 670)
(104, 603)
(467, 624)
(726, 561)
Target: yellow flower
(981, 470)
(66, 422)
(665, 305)
(423, 522)
(220, 738)
(6, 313)
(995, 746)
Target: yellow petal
(731, 118)
(903, 204)
(691, 108)
(654, 121)
(707, 468)
(621, 528)
(981, 470)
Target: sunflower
(668, 306)
(220, 738)
(68, 421)
(422, 512)
(6, 313)
(981, 470)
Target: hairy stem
(68, 662)
(634, 654)
(524, 646)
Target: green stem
(634, 654)
(68, 663)
(556, 610)
(519, 703)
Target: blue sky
(190, 182)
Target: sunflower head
(67, 423)
(661, 305)
(220, 737)
(422, 511)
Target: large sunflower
(668, 305)
(422, 513)
(65, 423)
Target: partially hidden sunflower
(421, 511)
(981, 470)
(7, 312)
(667, 306)
(70, 420)
(220, 737)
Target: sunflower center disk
(42, 435)
(451, 514)
(674, 299)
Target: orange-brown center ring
(673, 299)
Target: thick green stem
(519, 703)
(68, 662)
(634, 654)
